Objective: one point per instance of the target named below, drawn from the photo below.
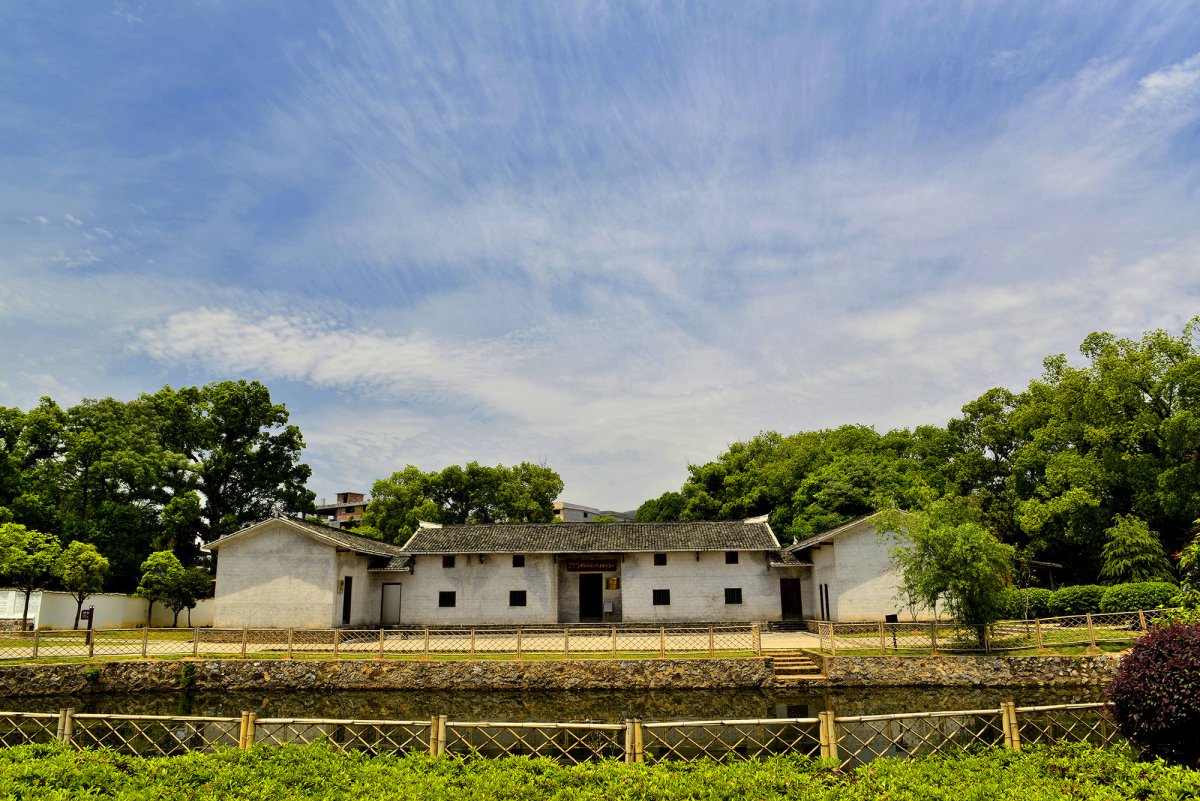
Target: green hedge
(1076, 600)
(53, 773)
(1026, 603)
(1138, 595)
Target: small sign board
(612, 583)
(86, 614)
(601, 565)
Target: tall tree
(27, 559)
(162, 578)
(471, 494)
(80, 569)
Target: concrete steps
(795, 666)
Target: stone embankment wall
(157, 676)
(971, 671)
(640, 674)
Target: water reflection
(594, 705)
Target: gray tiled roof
(826, 536)
(788, 559)
(334, 536)
(736, 535)
(394, 563)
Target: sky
(612, 238)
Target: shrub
(1138, 595)
(1156, 693)
(1027, 603)
(1076, 600)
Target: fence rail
(1088, 630)
(849, 740)
(486, 642)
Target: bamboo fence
(848, 740)
(1043, 634)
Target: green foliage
(293, 772)
(167, 470)
(163, 576)
(950, 563)
(27, 560)
(471, 494)
(1026, 603)
(1156, 693)
(1078, 599)
(1138, 596)
(81, 570)
(1133, 553)
(1058, 470)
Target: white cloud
(72, 219)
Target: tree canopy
(1113, 442)
(168, 470)
(475, 493)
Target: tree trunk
(175, 622)
(149, 612)
(25, 614)
(78, 611)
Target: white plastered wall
(276, 577)
(481, 590)
(698, 587)
(866, 584)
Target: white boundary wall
(56, 610)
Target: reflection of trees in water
(550, 705)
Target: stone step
(795, 666)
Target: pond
(593, 705)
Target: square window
(519, 561)
(660, 559)
(733, 595)
(516, 597)
(731, 557)
(448, 561)
(662, 597)
(446, 598)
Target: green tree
(457, 495)
(27, 560)
(162, 577)
(1133, 553)
(194, 584)
(81, 570)
(947, 560)
(667, 507)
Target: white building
(578, 513)
(292, 574)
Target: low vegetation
(51, 772)
(1156, 693)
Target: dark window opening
(516, 597)
(733, 595)
(448, 561)
(519, 561)
(662, 597)
(731, 557)
(660, 559)
(446, 598)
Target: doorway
(591, 597)
(389, 614)
(789, 595)
(347, 587)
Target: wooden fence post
(1091, 631)
(425, 653)
(441, 735)
(933, 638)
(337, 641)
(662, 641)
(987, 638)
(519, 643)
(91, 638)
(1142, 620)
(829, 735)
(614, 642)
(1037, 628)
(629, 741)
(243, 728)
(382, 641)
(832, 640)
(251, 728)
(711, 643)
(68, 724)
(145, 639)
(639, 741)
(882, 646)
(60, 734)
(245, 639)
(433, 737)
(566, 643)
(35, 643)
(756, 638)
(196, 643)
(1015, 728)
(291, 642)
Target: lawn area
(53, 773)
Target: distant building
(346, 513)
(577, 513)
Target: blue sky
(609, 237)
